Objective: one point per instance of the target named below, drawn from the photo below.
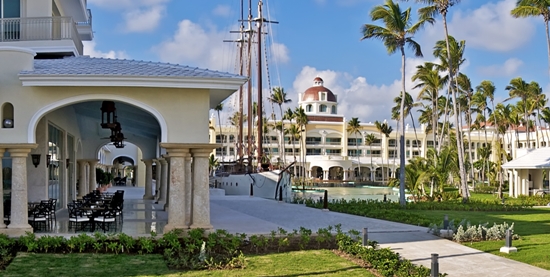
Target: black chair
(76, 217)
(39, 216)
(105, 219)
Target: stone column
(188, 190)
(19, 210)
(92, 178)
(148, 179)
(163, 181)
(2, 225)
(83, 181)
(325, 175)
(201, 191)
(177, 216)
(158, 176)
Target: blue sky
(321, 38)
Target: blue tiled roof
(84, 65)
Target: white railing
(40, 28)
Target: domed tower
(318, 100)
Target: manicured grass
(300, 263)
(532, 225)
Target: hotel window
(392, 154)
(430, 143)
(323, 96)
(323, 108)
(231, 138)
(10, 29)
(231, 151)
(353, 153)
(333, 109)
(392, 143)
(313, 151)
(309, 108)
(334, 151)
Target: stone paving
(253, 215)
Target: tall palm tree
(386, 130)
(218, 109)
(302, 121)
(354, 127)
(518, 88)
(430, 82)
(279, 97)
(532, 8)
(369, 140)
(397, 33)
(288, 115)
(450, 53)
(441, 7)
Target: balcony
(56, 34)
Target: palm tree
(386, 130)
(369, 140)
(521, 89)
(441, 7)
(212, 164)
(466, 95)
(302, 121)
(450, 53)
(430, 83)
(279, 97)
(354, 127)
(532, 8)
(409, 104)
(218, 109)
(397, 33)
(294, 132)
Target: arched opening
(309, 108)
(323, 108)
(317, 172)
(333, 109)
(8, 120)
(336, 173)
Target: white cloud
(139, 15)
(489, 27)
(279, 52)
(89, 50)
(193, 44)
(143, 20)
(222, 10)
(509, 68)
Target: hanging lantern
(108, 115)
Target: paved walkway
(253, 215)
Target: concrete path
(252, 215)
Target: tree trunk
(460, 146)
(402, 199)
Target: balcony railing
(40, 28)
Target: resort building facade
(330, 152)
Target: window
(408, 143)
(10, 29)
(219, 151)
(416, 143)
(333, 141)
(323, 96)
(392, 154)
(275, 150)
(333, 109)
(430, 143)
(309, 108)
(289, 150)
(7, 115)
(313, 151)
(392, 143)
(354, 141)
(323, 108)
(55, 146)
(313, 140)
(353, 153)
(374, 153)
(334, 152)
(10, 8)
(231, 151)
(231, 138)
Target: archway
(336, 173)
(317, 172)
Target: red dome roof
(312, 93)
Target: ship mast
(260, 20)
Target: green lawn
(532, 225)
(300, 263)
